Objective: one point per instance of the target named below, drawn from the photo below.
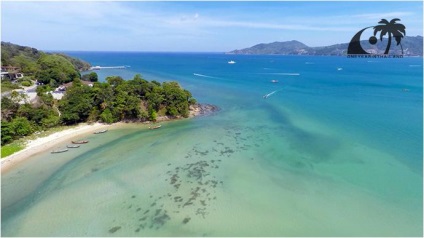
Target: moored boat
(155, 127)
(73, 146)
(59, 151)
(99, 132)
(80, 142)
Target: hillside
(26, 58)
(112, 101)
(412, 46)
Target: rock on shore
(194, 111)
(202, 109)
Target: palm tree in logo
(392, 29)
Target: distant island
(412, 46)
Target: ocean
(335, 149)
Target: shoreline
(43, 144)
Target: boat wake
(204, 76)
(270, 94)
(286, 74)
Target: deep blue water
(378, 101)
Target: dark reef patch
(114, 229)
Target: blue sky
(193, 26)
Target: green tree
(21, 126)
(155, 98)
(77, 103)
(153, 116)
(33, 114)
(50, 121)
(8, 108)
(176, 99)
(94, 115)
(106, 116)
(115, 80)
(103, 95)
(92, 77)
(7, 133)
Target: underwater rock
(114, 229)
(187, 219)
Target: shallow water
(332, 153)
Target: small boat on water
(155, 127)
(274, 81)
(80, 142)
(231, 62)
(59, 151)
(99, 132)
(73, 146)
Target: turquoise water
(330, 153)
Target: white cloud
(87, 24)
(276, 26)
(380, 15)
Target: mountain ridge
(412, 46)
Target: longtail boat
(59, 151)
(73, 146)
(80, 142)
(99, 132)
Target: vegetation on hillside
(26, 58)
(52, 69)
(111, 101)
(55, 70)
(20, 56)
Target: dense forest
(114, 100)
(111, 101)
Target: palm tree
(393, 29)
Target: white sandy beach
(44, 143)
